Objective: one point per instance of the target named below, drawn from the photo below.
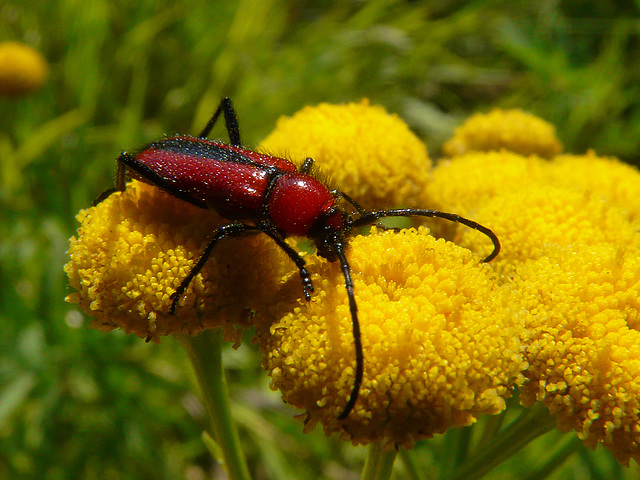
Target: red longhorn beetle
(261, 193)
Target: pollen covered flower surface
(134, 248)
(370, 154)
(571, 252)
(442, 343)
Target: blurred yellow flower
(442, 343)
(513, 130)
(22, 69)
(133, 249)
(369, 154)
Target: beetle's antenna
(370, 217)
(348, 283)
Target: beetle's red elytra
(260, 193)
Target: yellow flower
(531, 203)
(513, 130)
(605, 178)
(585, 348)
(463, 183)
(370, 155)
(571, 251)
(22, 69)
(442, 345)
(134, 248)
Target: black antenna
(348, 283)
(370, 217)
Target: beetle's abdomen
(229, 179)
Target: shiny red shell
(298, 200)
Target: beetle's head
(329, 233)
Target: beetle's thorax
(300, 205)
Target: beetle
(261, 193)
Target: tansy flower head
(22, 69)
(463, 183)
(370, 154)
(134, 248)
(604, 178)
(512, 130)
(571, 251)
(530, 202)
(585, 348)
(530, 220)
(442, 345)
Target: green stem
(572, 444)
(411, 468)
(532, 423)
(492, 426)
(378, 465)
(204, 351)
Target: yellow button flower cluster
(571, 251)
(442, 342)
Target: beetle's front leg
(305, 276)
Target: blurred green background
(79, 404)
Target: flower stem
(204, 351)
(378, 465)
(410, 466)
(532, 423)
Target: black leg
(307, 286)
(230, 120)
(370, 217)
(121, 171)
(231, 230)
(238, 230)
(355, 323)
(103, 196)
